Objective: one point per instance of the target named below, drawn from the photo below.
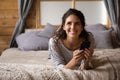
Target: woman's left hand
(88, 53)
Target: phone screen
(85, 44)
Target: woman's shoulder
(53, 40)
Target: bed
(32, 62)
(36, 65)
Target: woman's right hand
(78, 55)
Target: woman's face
(72, 26)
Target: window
(52, 11)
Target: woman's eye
(69, 23)
(78, 23)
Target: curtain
(23, 8)
(112, 7)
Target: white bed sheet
(14, 55)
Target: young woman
(65, 46)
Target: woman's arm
(78, 55)
(55, 54)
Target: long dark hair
(61, 34)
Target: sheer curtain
(23, 8)
(112, 7)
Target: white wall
(52, 11)
(94, 11)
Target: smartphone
(85, 44)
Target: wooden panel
(0, 52)
(6, 31)
(9, 13)
(7, 22)
(30, 23)
(31, 15)
(31, 18)
(3, 47)
(4, 40)
(30, 26)
(8, 4)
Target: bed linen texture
(14, 55)
(106, 64)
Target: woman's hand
(88, 53)
(78, 55)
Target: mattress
(14, 55)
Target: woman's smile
(73, 32)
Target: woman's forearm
(70, 65)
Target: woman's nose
(73, 26)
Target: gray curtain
(23, 8)
(112, 7)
